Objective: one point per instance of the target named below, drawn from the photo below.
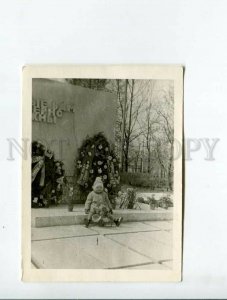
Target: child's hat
(98, 182)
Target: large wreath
(96, 158)
(48, 177)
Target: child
(98, 203)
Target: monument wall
(63, 115)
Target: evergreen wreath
(96, 158)
(48, 176)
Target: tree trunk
(170, 185)
(170, 176)
(126, 163)
(123, 127)
(149, 162)
(126, 156)
(127, 140)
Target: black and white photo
(102, 186)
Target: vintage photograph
(104, 178)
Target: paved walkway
(133, 245)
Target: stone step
(63, 217)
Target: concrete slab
(144, 244)
(89, 252)
(163, 225)
(140, 225)
(149, 267)
(63, 254)
(114, 254)
(124, 228)
(47, 218)
(55, 232)
(161, 236)
(58, 212)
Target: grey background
(192, 33)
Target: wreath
(96, 158)
(48, 177)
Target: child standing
(98, 203)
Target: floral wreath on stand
(48, 177)
(96, 158)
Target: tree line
(144, 130)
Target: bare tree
(148, 125)
(165, 144)
(133, 107)
(129, 107)
(137, 153)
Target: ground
(134, 245)
(143, 240)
